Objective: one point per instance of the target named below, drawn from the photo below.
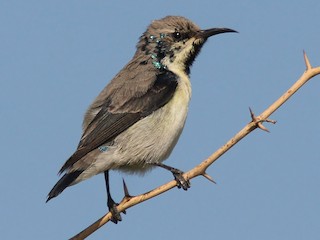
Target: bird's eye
(177, 35)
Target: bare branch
(200, 170)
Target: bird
(135, 122)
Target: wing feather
(112, 119)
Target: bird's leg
(112, 205)
(178, 176)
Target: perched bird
(136, 120)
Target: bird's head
(174, 42)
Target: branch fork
(258, 121)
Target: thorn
(270, 121)
(253, 117)
(127, 196)
(252, 114)
(260, 125)
(125, 189)
(259, 122)
(208, 177)
(306, 60)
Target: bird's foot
(112, 205)
(116, 217)
(178, 176)
(181, 181)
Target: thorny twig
(200, 170)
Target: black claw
(116, 217)
(181, 181)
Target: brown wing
(113, 119)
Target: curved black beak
(213, 31)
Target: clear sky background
(56, 56)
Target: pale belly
(153, 138)
(150, 140)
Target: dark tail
(63, 183)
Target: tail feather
(65, 181)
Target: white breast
(153, 138)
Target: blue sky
(56, 56)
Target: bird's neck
(183, 78)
